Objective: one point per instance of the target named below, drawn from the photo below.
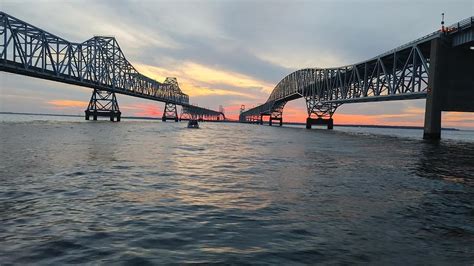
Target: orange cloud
(217, 76)
(150, 111)
(68, 104)
(193, 79)
(143, 109)
(456, 119)
(232, 111)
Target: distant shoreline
(378, 126)
(39, 114)
(235, 121)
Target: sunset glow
(68, 104)
(145, 109)
(199, 80)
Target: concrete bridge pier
(114, 116)
(432, 127)
(279, 119)
(450, 83)
(319, 121)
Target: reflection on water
(447, 160)
(150, 192)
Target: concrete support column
(280, 120)
(308, 123)
(330, 123)
(319, 121)
(436, 79)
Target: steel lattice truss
(97, 63)
(399, 74)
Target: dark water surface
(151, 192)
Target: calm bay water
(149, 192)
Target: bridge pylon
(320, 113)
(103, 103)
(170, 112)
(450, 83)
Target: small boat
(193, 124)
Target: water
(139, 192)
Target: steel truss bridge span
(98, 63)
(403, 73)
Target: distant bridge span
(438, 67)
(98, 63)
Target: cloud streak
(68, 104)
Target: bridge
(438, 67)
(97, 63)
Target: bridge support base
(277, 113)
(319, 121)
(432, 127)
(279, 119)
(322, 111)
(103, 104)
(170, 112)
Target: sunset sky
(231, 53)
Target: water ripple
(74, 192)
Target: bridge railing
(463, 24)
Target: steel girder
(320, 109)
(401, 73)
